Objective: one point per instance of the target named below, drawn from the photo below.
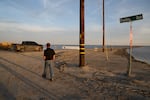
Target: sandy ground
(100, 79)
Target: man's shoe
(44, 76)
(51, 79)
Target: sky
(57, 21)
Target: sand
(99, 79)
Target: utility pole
(82, 49)
(103, 47)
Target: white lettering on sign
(131, 18)
(125, 20)
(139, 17)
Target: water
(142, 54)
(139, 53)
(59, 47)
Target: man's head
(48, 45)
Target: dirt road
(100, 79)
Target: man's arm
(44, 57)
(53, 57)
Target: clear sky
(57, 21)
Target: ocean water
(58, 47)
(141, 54)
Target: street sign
(131, 18)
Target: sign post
(130, 50)
(130, 19)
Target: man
(49, 56)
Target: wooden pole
(82, 49)
(103, 47)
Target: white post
(130, 50)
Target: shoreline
(138, 60)
(127, 55)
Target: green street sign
(131, 18)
